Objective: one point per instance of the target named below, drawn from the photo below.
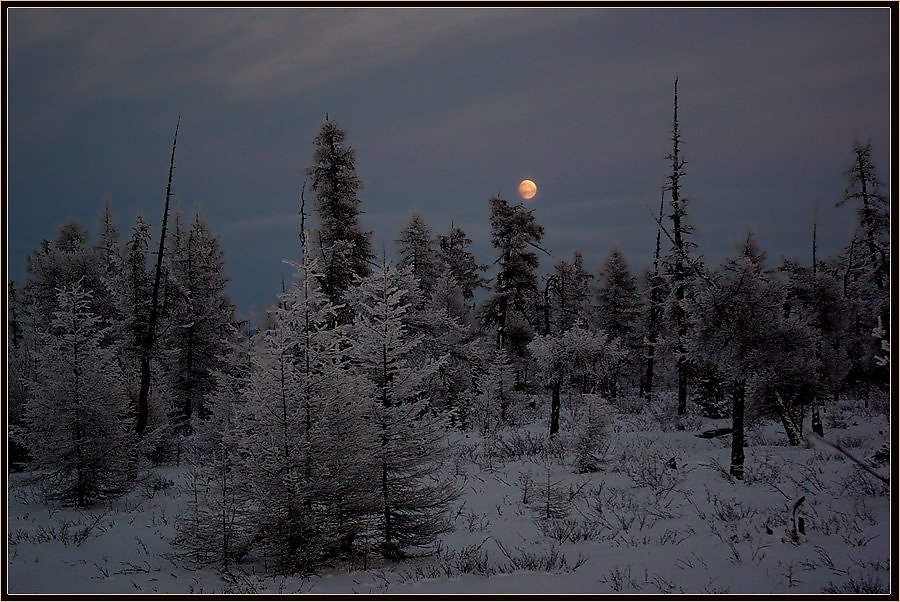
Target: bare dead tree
(655, 307)
(144, 393)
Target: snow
(637, 525)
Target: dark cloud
(445, 108)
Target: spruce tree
(567, 295)
(76, 418)
(410, 439)
(867, 263)
(513, 310)
(417, 252)
(618, 307)
(345, 249)
(459, 271)
(199, 317)
(302, 434)
(743, 330)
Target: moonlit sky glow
(445, 108)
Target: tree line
(315, 436)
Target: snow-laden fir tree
(417, 253)
(514, 307)
(495, 400)
(293, 452)
(345, 249)
(814, 296)
(618, 310)
(411, 440)
(459, 272)
(866, 264)
(446, 341)
(198, 319)
(77, 417)
(69, 258)
(567, 295)
(592, 427)
(215, 526)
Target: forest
(343, 433)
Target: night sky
(445, 108)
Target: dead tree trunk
(655, 307)
(554, 410)
(737, 428)
(144, 393)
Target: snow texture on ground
(660, 516)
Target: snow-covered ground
(660, 516)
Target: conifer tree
(302, 434)
(513, 309)
(459, 271)
(410, 439)
(567, 295)
(618, 306)
(866, 262)
(76, 419)
(199, 317)
(494, 398)
(417, 252)
(345, 248)
(742, 329)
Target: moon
(527, 189)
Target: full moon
(527, 189)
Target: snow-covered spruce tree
(494, 398)
(76, 419)
(459, 273)
(576, 358)
(446, 342)
(742, 329)
(344, 248)
(22, 355)
(56, 264)
(513, 309)
(214, 526)
(618, 312)
(305, 470)
(417, 253)
(198, 319)
(133, 296)
(567, 297)
(591, 431)
(867, 263)
(60, 263)
(336, 422)
(814, 296)
(411, 441)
